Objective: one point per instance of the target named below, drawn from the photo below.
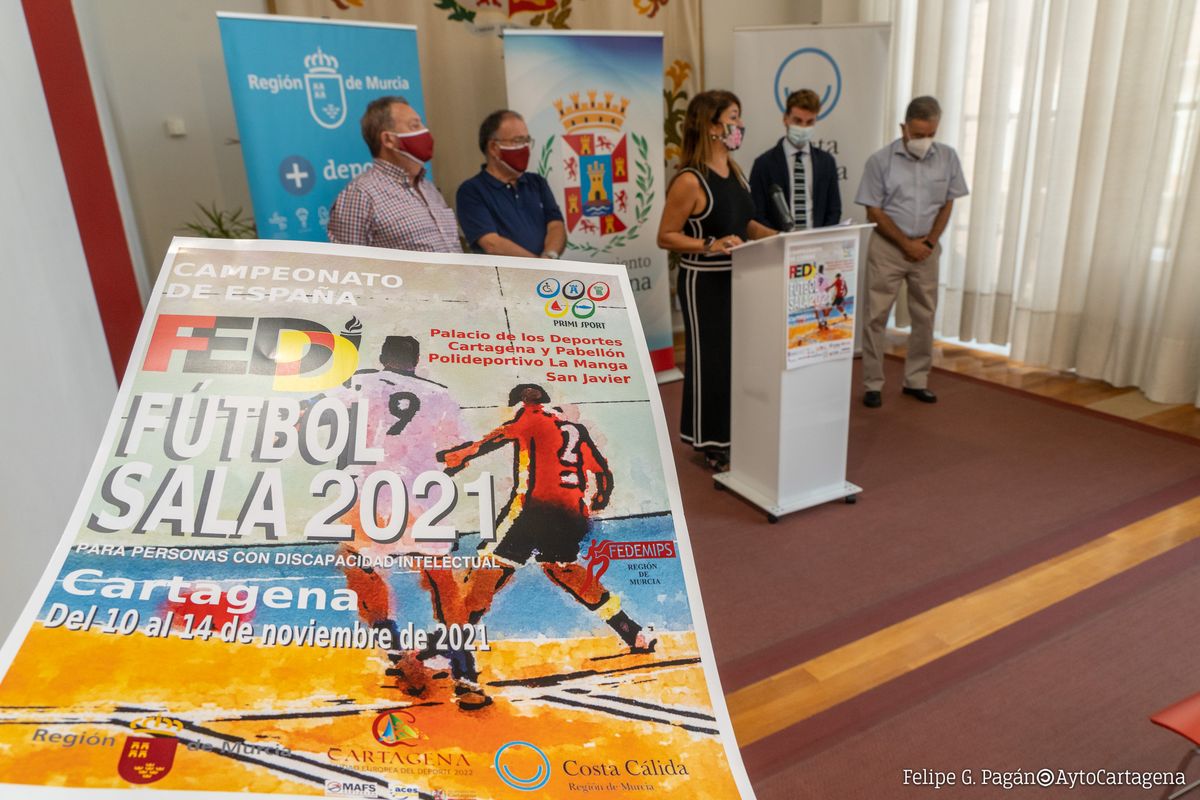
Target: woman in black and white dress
(708, 212)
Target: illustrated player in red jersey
(559, 478)
(840, 290)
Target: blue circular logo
(812, 67)
(297, 175)
(536, 781)
(548, 288)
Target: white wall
(835, 12)
(720, 17)
(156, 59)
(56, 380)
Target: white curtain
(1077, 125)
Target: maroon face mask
(515, 157)
(418, 144)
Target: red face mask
(515, 157)
(418, 144)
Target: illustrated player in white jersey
(408, 416)
(821, 298)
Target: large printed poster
(374, 524)
(593, 104)
(821, 299)
(299, 88)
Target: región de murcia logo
(146, 759)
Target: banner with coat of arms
(299, 87)
(593, 103)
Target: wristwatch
(708, 243)
(550, 254)
(928, 244)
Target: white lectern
(793, 349)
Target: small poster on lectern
(821, 300)
(369, 523)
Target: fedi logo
(326, 90)
(809, 67)
(336, 788)
(395, 727)
(301, 355)
(522, 766)
(146, 759)
(574, 297)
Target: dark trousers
(705, 296)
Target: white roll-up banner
(846, 65)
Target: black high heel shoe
(717, 460)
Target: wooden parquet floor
(1127, 402)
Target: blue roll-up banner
(299, 88)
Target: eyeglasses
(516, 141)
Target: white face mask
(919, 147)
(799, 136)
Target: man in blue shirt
(909, 189)
(505, 210)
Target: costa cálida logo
(146, 759)
(301, 355)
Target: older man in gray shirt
(909, 188)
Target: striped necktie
(799, 203)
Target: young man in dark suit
(806, 173)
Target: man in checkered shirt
(393, 204)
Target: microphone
(779, 203)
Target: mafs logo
(809, 68)
(522, 766)
(336, 788)
(300, 355)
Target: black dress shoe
(924, 395)
(873, 399)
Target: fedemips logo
(326, 90)
(523, 766)
(813, 68)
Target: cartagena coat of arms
(608, 186)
